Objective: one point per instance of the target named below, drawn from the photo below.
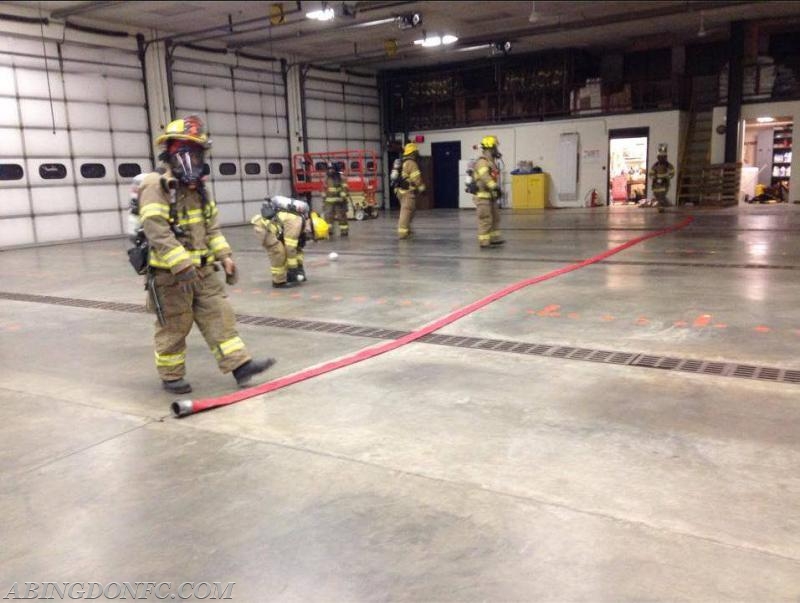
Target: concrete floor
(431, 473)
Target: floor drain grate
(668, 363)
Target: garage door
(73, 132)
(245, 111)
(342, 113)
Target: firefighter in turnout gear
(336, 198)
(661, 174)
(184, 238)
(487, 197)
(408, 185)
(283, 227)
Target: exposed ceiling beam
(84, 7)
(409, 50)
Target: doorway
(446, 156)
(766, 160)
(627, 165)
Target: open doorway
(627, 162)
(766, 160)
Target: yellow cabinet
(529, 191)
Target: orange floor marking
(607, 318)
(681, 323)
(573, 315)
(702, 321)
(762, 329)
(721, 325)
(642, 321)
(548, 310)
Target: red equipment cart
(359, 169)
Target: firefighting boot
(177, 386)
(249, 369)
(286, 285)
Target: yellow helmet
(410, 148)
(319, 226)
(191, 129)
(489, 142)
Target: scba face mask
(187, 163)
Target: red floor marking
(381, 301)
(360, 299)
(315, 296)
(405, 302)
(237, 290)
(721, 325)
(702, 321)
(607, 318)
(642, 321)
(762, 329)
(382, 348)
(337, 298)
(680, 323)
(573, 315)
(296, 295)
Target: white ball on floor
(300, 278)
(333, 255)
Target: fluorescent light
(433, 41)
(429, 42)
(765, 120)
(326, 14)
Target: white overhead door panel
(244, 108)
(16, 231)
(79, 132)
(54, 200)
(88, 116)
(342, 113)
(63, 227)
(15, 202)
(12, 142)
(9, 116)
(100, 224)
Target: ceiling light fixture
(433, 41)
(765, 120)
(325, 13)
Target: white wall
(789, 109)
(538, 142)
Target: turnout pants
(336, 212)
(206, 305)
(283, 254)
(488, 221)
(408, 205)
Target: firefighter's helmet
(489, 142)
(319, 226)
(662, 150)
(410, 149)
(189, 129)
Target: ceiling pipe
(411, 51)
(227, 26)
(325, 31)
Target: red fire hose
(183, 408)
